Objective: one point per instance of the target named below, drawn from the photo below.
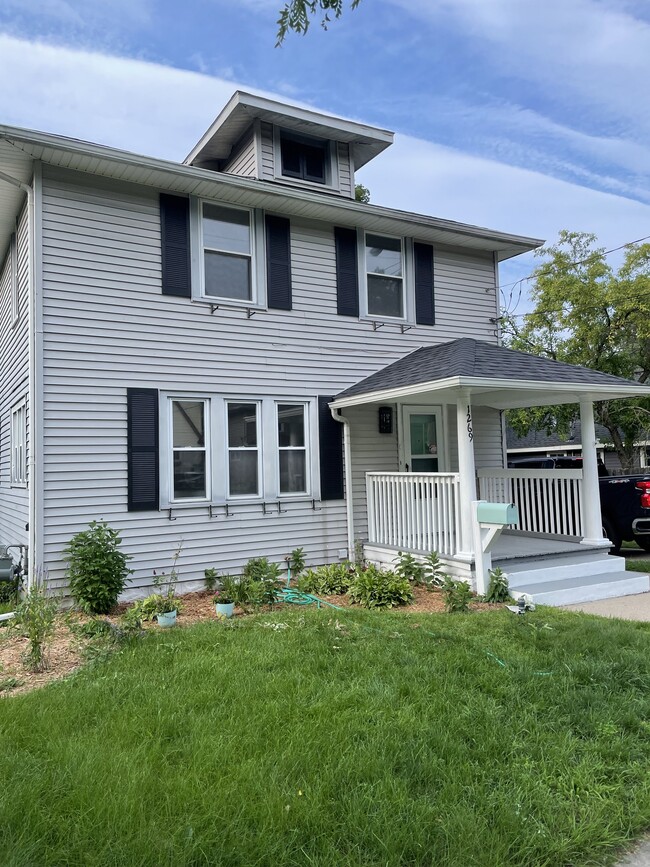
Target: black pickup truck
(624, 500)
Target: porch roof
(492, 375)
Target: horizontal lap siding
(107, 327)
(268, 157)
(14, 385)
(346, 177)
(243, 160)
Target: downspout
(347, 457)
(33, 413)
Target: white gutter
(347, 457)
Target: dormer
(260, 138)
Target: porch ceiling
(489, 375)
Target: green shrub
(147, 609)
(458, 595)
(410, 568)
(97, 569)
(210, 579)
(296, 561)
(260, 569)
(498, 589)
(35, 618)
(327, 580)
(374, 588)
(434, 576)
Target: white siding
(107, 327)
(243, 160)
(346, 177)
(14, 386)
(268, 156)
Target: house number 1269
(470, 431)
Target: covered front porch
(418, 492)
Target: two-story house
(234, 352)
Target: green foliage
(260, 569)
(97, 569)
(409, 568)
(229, 591)
(35, 618)
(296, 561)
(375, 588)
(586, 313)
(210, 579)
(260, 583)
(295, 15)
(9, 592)
(332, 580)
(457, 594)
(434, 575)
(498, 589)
(361, 194)
(146, 609)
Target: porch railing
(415, 511)
(549, 501)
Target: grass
(638, 566)
(325, 739)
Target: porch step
(548, 570)
(589, 588)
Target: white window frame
(18, 463)
(13, 280)
(332, 181)
(306, 415)
(408, 280)
(259, 449)
(257, 256)
(184, 398)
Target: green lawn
(327, 738)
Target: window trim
(18, 474)
(408, 280)
(332, 180)
(257, 256)
(170, 449)
(237, 498)
(307, 422)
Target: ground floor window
(223, 448)
(19, 444)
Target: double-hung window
(243, 449)
(292, 448)
(19, 444)
(190, 460)
(227, 251)
(384, 269)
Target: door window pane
(424, 443)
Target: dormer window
(304, 158)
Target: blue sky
(518, 115)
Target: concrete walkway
(638, 857)
(635, 607)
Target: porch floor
(513, 546)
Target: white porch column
(467, 474)
(591, 518)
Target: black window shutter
(347, 272)
(424, 298)
(330, 437)
(278, 262)
(175, 237)
(142, 447)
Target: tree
(296, 15)
(586, 313)
(361, 193)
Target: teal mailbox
(497, 513)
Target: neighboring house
(538, 443)
(233, 352)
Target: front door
(422, 446)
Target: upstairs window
(227, 252)
(384, 262)
(304, 158)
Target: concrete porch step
(543, 572)
(586, 588)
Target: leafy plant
(261, 569)
(166, 598)
(458, 595)
(228, 591)
(146, 609)
(210, 579)
(410, 568)
(97, 569)
(498, 589)
(359, 559)
(327, 580)
(35, 617)
(296, 561)
(375, 588)
(434, 576)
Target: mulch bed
(65, 650)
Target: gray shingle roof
(476, 358)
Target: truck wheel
(643, 542)
(612, 535)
